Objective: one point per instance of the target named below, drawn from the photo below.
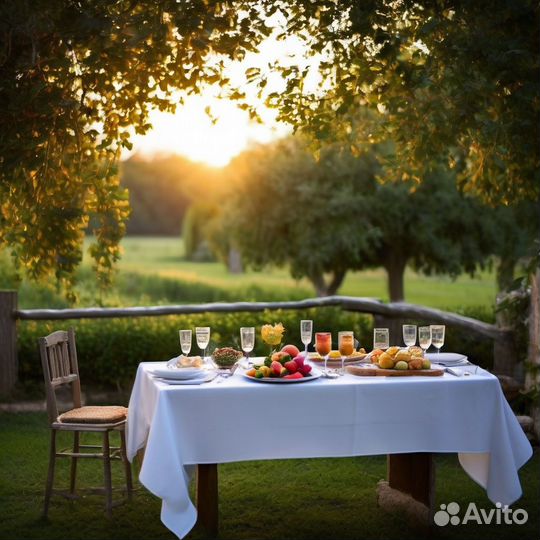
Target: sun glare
(192, 133)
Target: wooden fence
(385, 315)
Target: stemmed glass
(409, 334)
(202, 334)
(381, 338)
(247, 340)
(323, 345)
(437, 336)
(306, 334)
(185, 341)
(424, 337)
(346, 347)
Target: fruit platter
(285, 366)
(397, 362)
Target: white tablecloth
(240, 419)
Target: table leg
(413, 474)
(207, 497)
(410, 487)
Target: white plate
(447, 358)
(179, 373)
(315, 374)
(211, 375)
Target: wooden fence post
(9, 366)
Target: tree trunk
(395, 269)
(317, 279)
(337, 280)
(505, 273)
(533, 376)
(235, 261)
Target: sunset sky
(190, 131)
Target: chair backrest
(59, 361)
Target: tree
(452, 81)
(333, 215)
(194, 230)
(431, 226)
(162, 188)
(517, 229)
(286, 209)
(76, 79)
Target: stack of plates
(448, 359)
(183, 375)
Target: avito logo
(449, 514)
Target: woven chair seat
(94, 415)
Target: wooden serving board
(376, 371)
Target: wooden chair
(59, 360)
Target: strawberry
(276, 368)
(296, 375)
(291, 366)
(283, 372)
(305, 369)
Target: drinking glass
(437, 336)
(247, 340)
(185, 341)
(306, 334)
(202, 334)
(323, 345)
(381, 338)
(346, 346)
(424, 337)
(409, 334)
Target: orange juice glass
(323, 343)
(346, 343)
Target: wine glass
(346, 346)
(409, 334)
(437, 336)
(202, 334)
(247, 340)
(323, 345)
(424, 337)
(381, 338)
(306, 334)
(185, 341)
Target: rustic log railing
(386, 315)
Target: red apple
(299, 360)
(276, 368)
(291, 366)
(305, 369)
(291, 350)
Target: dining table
(187, 430)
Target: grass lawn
(163, 256)
(297, 499)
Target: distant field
(161, 256)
